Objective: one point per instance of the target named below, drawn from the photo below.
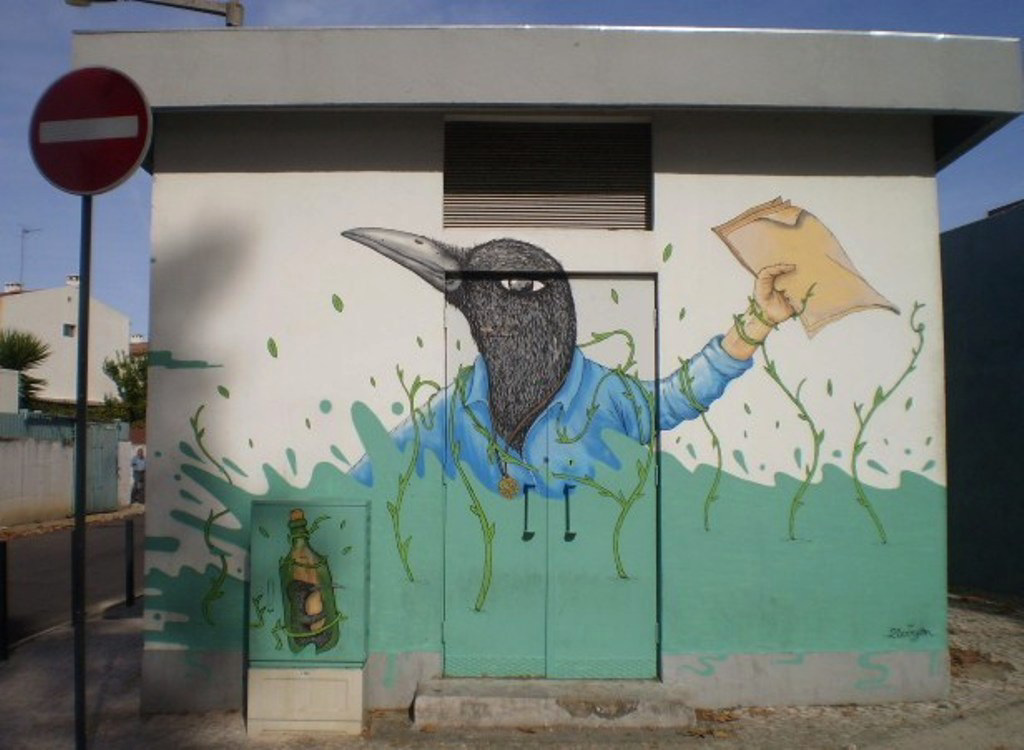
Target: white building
(365, 237)
(52, 316)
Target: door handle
(527, 534)
(569, 534)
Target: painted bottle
(310, 610)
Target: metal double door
(557, 577)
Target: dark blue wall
(983, 290)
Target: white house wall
(44, 313)
(269, 330)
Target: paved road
(39, 574)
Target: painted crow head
(520, 310)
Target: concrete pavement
(985, 708)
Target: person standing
(139, 477)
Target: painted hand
(774, 305)
(771, 307)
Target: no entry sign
(90, 130)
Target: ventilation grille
(588, 175)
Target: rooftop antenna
(25, 232)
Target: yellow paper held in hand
(779, 232)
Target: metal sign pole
(81, 459)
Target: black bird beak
(430, 260)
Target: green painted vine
(417, 415)
(198, 433)
(643, 468)
(880, 397)
(216, 590)
(487, 527)
(686, 386)
(817, 437)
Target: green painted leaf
(233, 466)
(373, 381)
(746, 407)
(667, 253)
(223, 391)
(272, 347)
(798, 456)
(346, 550)
(828, 387)
(338, 304)
(682, 313)
(876, 466)
(928, 465)
(910, 403)
(264, 533)
(419, 341)
(309, 426)
(615, 296)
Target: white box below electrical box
(305, 700)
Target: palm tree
(22, 351)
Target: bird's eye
(522, 285)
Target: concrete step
(471, 702)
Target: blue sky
(35, 49)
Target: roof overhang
(971, 86)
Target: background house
(8, 391)
(52, 316)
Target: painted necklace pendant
(508, 487)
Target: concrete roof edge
(561, 27)
(574, 67)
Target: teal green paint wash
(741, 587)
(745, 587)
(405, 616)
(166, 359)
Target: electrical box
(308, 588)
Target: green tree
(129, 374)
(22, 351)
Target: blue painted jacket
(566, 441)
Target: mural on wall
(532, 379)
(545, 411)
(531, 370)
(306, 582)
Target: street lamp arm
(232, 10)
(213, 7)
